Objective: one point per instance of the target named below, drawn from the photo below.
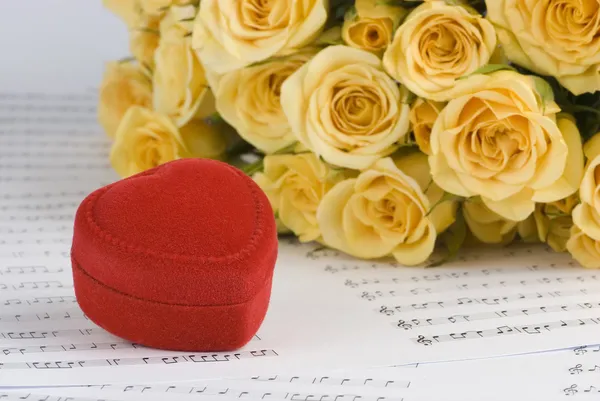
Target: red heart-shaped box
(179, 257)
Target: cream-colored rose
(229, 35)
(372, 25)
(487, 226)
(584, 249)
(414, 164)
(342, 106)
(295, 185)
(423, 114)
(495, 141)
(382, 212)
(554, 222)
(145, 139)
(249, 100)
(552, 37)
(144, 36)
(180, 87)
(124, 85)
(437, 44)
(587, 214)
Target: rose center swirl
(395, 213)
(445, 45)
(301, 193)
(570, 20)
(357, 110)
(490, 147)
(263, 15)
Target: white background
(57, 45)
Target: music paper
(559, 375)
(327, 310)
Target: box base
(210, 328)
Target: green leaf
(214, 118)
(148, 30)
(544, 89)
(446, 197)
(253, 168)
(410, 99)
(286, 149)
(488, 69)
(126, 60)
(331, 37)
(351, 14)
(453, 238)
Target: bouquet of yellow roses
(376, 127)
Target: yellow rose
(342, 106)
(423, 114)
(587, 214)
(229, 35)
(437, 44)
(249, 100)
(554, 222)
(552, 37)
(295, 185)
(584, 249)
(180, 87)
(414, 164)
(494, 141)
(124, 85)
(372, 27)
(487, 226)
(146, 139)
(144, 36)
(382, 212)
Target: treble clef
(331, 269)
(575, 370)
(571, 390)
(403, 325)
(351, 284)
(422, 340)
(367, 296)
(386, 311)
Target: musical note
(572, 390)
(575, 370)
(403, 325)
(504, 330)
(424, 341)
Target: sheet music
(327, 309)
(559, 375)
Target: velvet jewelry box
(179, 257)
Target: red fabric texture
(179, 257)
